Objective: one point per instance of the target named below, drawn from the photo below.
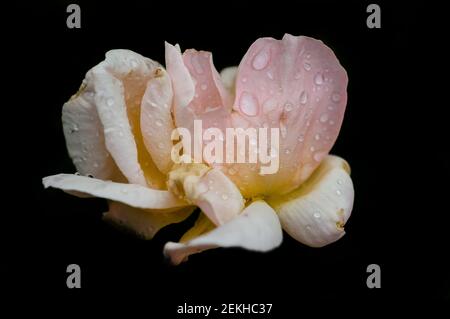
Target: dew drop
(318, 156)
(297, 75)
(203, 87)
(312, 149)
(339, 181)
(270, 75)
(301, 138)
(317, 137)
(318, 78)
(338, 192)
(232, 171)
(158, 123)
(303, 97)
(160, 145)
(288, 107)
(110, 101)
(287, 151)
(316, 215)
(307, 66)
(323, 118)
(335, 97)
(244, 79)
(261, 60)
(248, 104)
(124, 190)
(331, 122)
(224, 196)
(120, 133)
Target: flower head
(284, 105)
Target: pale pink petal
(208, 189)
(257, 229)
(156, 120)
(84, 135)
(130, 194)
(145, 223)
(298, 86)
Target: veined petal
(130, 194)
(209, 189)
(145, 223)
(316, 212)
(257, 229)
(156, 120)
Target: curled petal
(208, 189)
(119, 83)
(156, 120)
(316, 212)
(257, 229)
(130, 194)
(145, 223)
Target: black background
(393, 136)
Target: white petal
(228, 76)
(257, 229)
(156, 120)
(84, 135)
(131, 194)
(316, 212)
(145, 223)
(108, 79)
(212, 191)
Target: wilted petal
(257, 228)
(156, 120)
(209, 189)
(145, 223)
(316, 212)
(130, 194)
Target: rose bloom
(119, 128)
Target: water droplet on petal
(312, 148)
(232, 171)
(261, 60)
(338, 192)
(248, 104)
(124, 190)
(323, 118)
(110, 101)
(203, 87)
(335, 97)
(160, 145)
(317, 137)
(307, 66)
(288, 107)
(224, 196)
(303, 97)
(318, 78)
(158, 123)
(331, 122)
(270, 75)
(287, 151)
(301, 138)
(316, 215)
(120, 133)
(318, 156)
(339, 181)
